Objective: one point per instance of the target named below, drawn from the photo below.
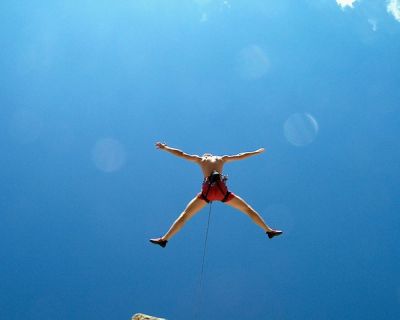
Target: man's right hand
(160, 145)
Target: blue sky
(88, 87)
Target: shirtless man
(214, 189)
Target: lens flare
(300, 129)
(252, 63)
(109, 155)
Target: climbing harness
(215, 179)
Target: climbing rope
(202, 264)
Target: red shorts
(218, 191)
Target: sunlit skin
(208, 163)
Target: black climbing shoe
(273, 233)
(159, 241)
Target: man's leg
(191, 209)
(238, 203)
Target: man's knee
(184, 216)
(250, 211)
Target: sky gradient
(88, 87)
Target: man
(214, 189)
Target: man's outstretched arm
(177, 152)
(243, 155)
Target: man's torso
(210, 163)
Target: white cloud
(393, 7)
(204, 17)
(346, 3)
(374, 24)
(202, 2)
(226, 4)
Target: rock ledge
(141, 316)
